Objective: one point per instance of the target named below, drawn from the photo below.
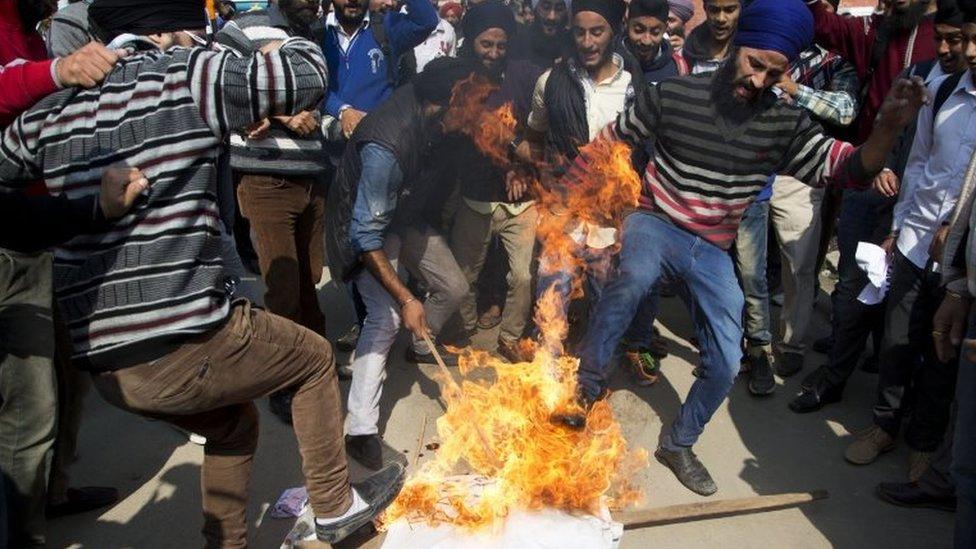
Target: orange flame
(541, 464)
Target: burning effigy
(498, 428)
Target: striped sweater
(157, 272)
(706, 170)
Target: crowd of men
(154, 151)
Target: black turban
(949, 14)
(611, 10)
(114, 17)
(488, 15)
(657, 9)
(968, 8)
(436, 83)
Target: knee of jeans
(385, 320)
(456, 290)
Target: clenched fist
(88, 66)
(121, 186)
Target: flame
(532, 463)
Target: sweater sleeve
(409, 30)
(233, 92)
(816, 159)
(22, 84)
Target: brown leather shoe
(869, 444)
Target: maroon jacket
(853, 38)
(21, 84)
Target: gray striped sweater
(157, 272)
(281, 152)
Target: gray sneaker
(378, 491)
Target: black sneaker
(378, 491)
(366, 449)
(789, 364)
(761, 379)
(280, 404)
(347, 342)
(450, 359)
(688, 469)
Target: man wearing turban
(715, 141)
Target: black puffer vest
(398, 125)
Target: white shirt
(441, 43)
(936, 165)
(345, 40)
(604, 100)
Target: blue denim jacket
(376, 198)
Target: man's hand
(415, 318)
(121, 186)
(677, 42)
(902, 104)
(88, 66)
(937, 248)
(303, 123)
(889, 245)
(350, 119)
(515, 186)
(949, 325)
(258, 130)
(787, 84)
(886, 183)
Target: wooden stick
(420, 445)
(642, 518)
(457, 390)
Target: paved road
(751, 447)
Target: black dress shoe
(761, 380)
(280, 404)
(378, 491)
(82, 500)
(366, 449)
(575, 419)
(816, 397)
(910, 494)
(689, 470)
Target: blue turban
(785, 26)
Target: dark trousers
(208, 384)
(286, 214)
(908, 361)
(852, 321)
(964, 448)
(28, 394)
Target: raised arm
(408, 30)
(844, 35)
(234, 92)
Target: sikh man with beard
(547, 38)
(716, 139)
(376, 217)
(681, 11)
(491, 207)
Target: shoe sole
(371, 514)
(887, 499)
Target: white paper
(873, 260)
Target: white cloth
(873, 260)
(934, 172)
(441, 43)
(604, 100)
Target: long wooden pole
(460, 400)
(642, 518)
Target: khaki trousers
(207, 385)
(795, 213)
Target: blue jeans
(964, 449)
(750, 260)
(655, 248)
(598, 266)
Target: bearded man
(715, 141)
